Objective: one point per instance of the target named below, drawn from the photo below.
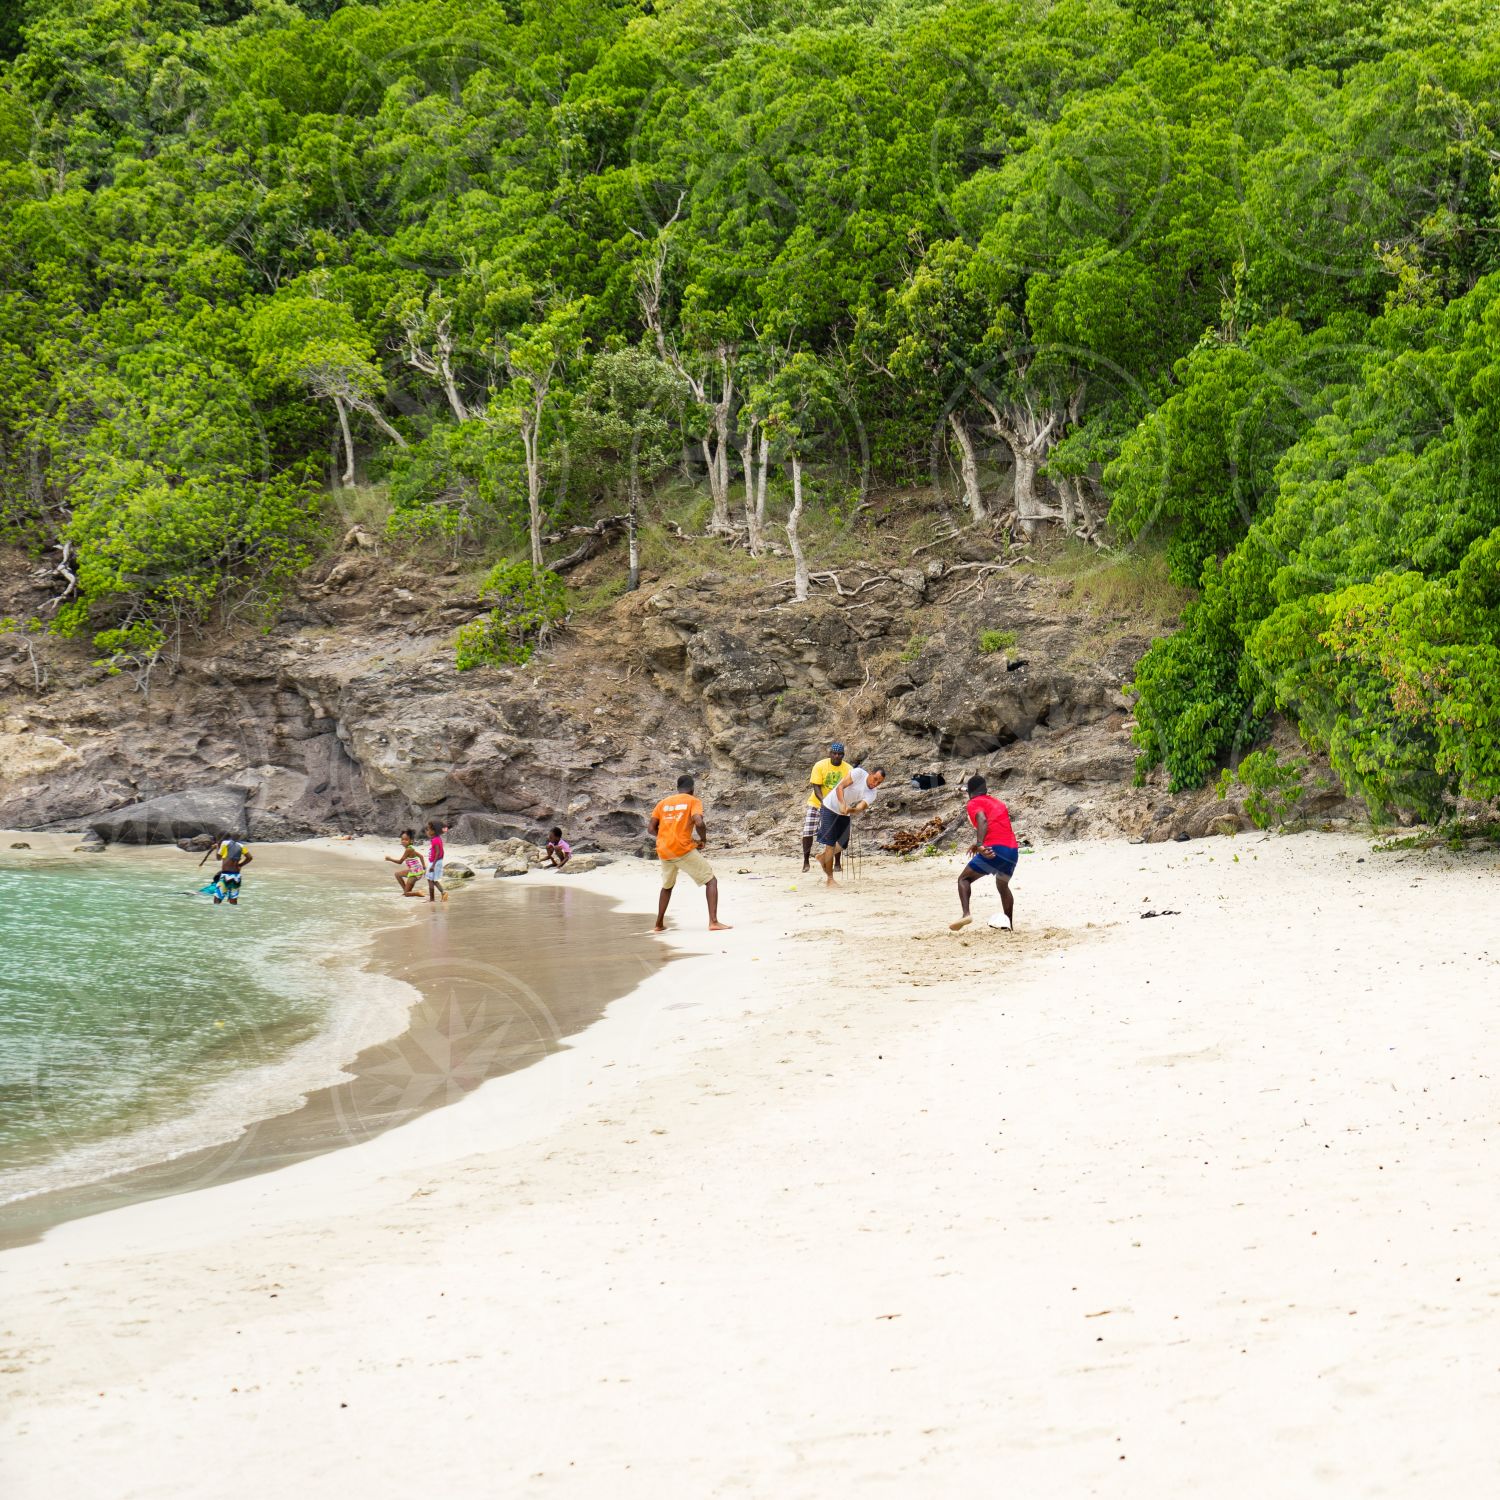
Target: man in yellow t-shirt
(677, 822)
(826, 775)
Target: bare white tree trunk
(632, 514)
(436, 362)
(747, 463)
(716, 448)
(1077, 514)
(793, 521)
(343, 411)
(760, 481)
(531, 435)
(716, 443)
(1030, 439)
(1027, 509)
(968, 466)
(1067, 495)
(373, 413)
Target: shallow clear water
(137, 1019)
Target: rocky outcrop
(210, 812)
(349, 715)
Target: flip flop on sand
(959, 925)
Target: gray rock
(512, 866)
(517, 849)
(581, 864)
(203, 811)
(454, 871)
(20, 846)
(482, 827)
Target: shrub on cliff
(527, 603)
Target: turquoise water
(138, 1021)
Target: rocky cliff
(348, 714)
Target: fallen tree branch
(951, 536)
(595, 539)
(985, 573)
(838, 587)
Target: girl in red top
(994, 851)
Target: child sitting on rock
(559, 850)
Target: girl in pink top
(435, 863)
(559, 850)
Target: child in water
(559, 850)
(233, 857)
(409, 864)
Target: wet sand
(502, 974)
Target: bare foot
(959, 925)
(660, 927)
(832, 881)
(720, 927)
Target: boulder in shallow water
(20, 846)
(202, 812)
(452, 870)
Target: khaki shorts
(692, 863)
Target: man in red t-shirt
(994, 851)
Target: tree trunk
(716, 450)
(711, 463)
(531, 429)
(1025, 490)
(968, 466)
(633, 582)
(752, 520)
(1029, 439)
(792, 522)
(343, 412)
(760, 482)
(450, 387)
(716, 453)
(373, 412)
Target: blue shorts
(833, 830)
(997, 860)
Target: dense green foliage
(527, 603)
(1273, 787)
(1224, 274)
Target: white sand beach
(839, 1202)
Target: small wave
(218, 1077)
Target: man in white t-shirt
(852, 796)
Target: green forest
(1219, 279)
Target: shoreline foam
(361, 1074)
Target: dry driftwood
(595, 539)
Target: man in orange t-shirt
(681, 834)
